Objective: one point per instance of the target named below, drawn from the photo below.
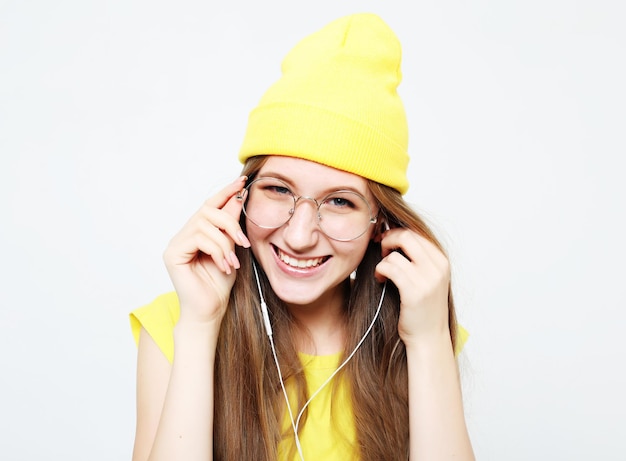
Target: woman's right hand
(201, 260)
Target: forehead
(311, 176)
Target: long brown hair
(249, 406)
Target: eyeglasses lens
(342, 215)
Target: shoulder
(158, 319)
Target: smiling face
(304, 266)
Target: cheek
(260, 247)
(354, 253)
(255, 233)
(255, 237)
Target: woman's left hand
(421, 272)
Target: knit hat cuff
(329, 138)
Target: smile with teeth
(299, 263)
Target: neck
(321, 324)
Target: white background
(118, 118)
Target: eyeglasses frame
(296, 199)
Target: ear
(380, 228)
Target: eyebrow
(289, 181)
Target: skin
(175, 403)
(313, 295)
(437, 423)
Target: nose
(301, 231)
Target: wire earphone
(270, 335)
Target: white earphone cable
(268, 329)
(328, 380)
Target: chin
(305, 294)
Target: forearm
(186, 425)
(437, 422)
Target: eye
(343, 202)
(339, 202)
(273, 188)
(278, 190)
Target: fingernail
(243, 240)
(240, 179)
(234, 260)
(226, 266)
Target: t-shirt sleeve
(160, 316)
(158, 319)
(462, 335)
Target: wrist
(432, 344)
(201, 315)
(191, 331)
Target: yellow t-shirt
(329, 432)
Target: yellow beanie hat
(336, 103)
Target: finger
(222, 197)
(200, 235)
(395, 267)
(234, 205)
(409, 257)
(234, 208)
(226, 220)
(208, 248)
(413, 246)
(184, 250)
(221, 240)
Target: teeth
(299, 263)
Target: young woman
(312, 317)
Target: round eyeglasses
(342, 215)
